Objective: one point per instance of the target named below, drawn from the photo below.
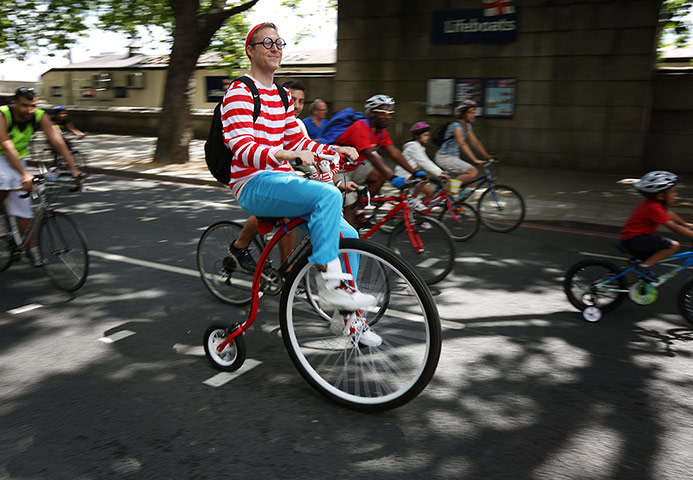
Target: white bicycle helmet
(377, 100)
(656, 181)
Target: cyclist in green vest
(18, 122)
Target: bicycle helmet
(58, 108)
(377, 100)
(464, 106)
(656, 181)
(419, 128)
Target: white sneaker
(355, 325)
(336, 294)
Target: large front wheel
(331, 358)
(594, 282)
(501, 208)
(428, 246)
(64, 251)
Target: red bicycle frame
(266, 227)
(414, 237)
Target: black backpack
(438, 136)
(217, 155)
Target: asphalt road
(112, 381)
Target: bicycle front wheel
(64, 251)
(501, 208)
(436, 257)
(463, 221)
(225, 279)
(365, 378)
(589, 283)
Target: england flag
(498, 7)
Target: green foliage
(674, 27)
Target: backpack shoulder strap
(248, 82)
(5, 109)
(283, 95)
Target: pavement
(551, 195)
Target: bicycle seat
(266, 224)
(632, 253)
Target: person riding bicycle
(366, 136)
(262, 179)
(638, 234)
(414, 152)
(457, 139)
(18, 123)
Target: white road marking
(25, 308)
(224, 377)
(193, 350)
(144, 263)
(116, 336)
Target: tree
(192, 23)
(674, 27)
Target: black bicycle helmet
(656, 181)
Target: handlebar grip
(295, 162)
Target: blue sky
(324, 36)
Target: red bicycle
(422, 240)
(324, 349)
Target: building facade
(580, 74)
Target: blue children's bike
(595, 285)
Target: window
(136, 80)
(57, 91)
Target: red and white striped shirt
(254, 144)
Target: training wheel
(592, 314)
(233, 355)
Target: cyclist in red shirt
(638, 234)
(366, 136)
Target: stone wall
(670, 142)
(583, 68)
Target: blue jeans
(278, 194)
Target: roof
(299, 58)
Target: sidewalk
(550, 194)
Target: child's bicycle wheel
(686, 300)
(335, 363)
(463, 222)
(232, 356)
(589, 283)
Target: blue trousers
(278, 194)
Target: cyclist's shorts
(361, 173)
(10, 178)
(642, 246)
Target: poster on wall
(439, 96)
(500, 97)
(470, 89)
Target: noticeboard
(495, 97)
(500, 97)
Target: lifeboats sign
(497, 22)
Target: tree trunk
(175, 124)
(191, 36)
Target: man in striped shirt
(262, 179)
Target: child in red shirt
(638, 234)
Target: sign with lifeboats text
(497, 22)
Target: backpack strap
(248, 82)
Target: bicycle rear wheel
(686, 300)
(501, 208)
(463, 222)
(335, 364)
(587, 284)
(437, 258)
(64, 250)
(6, 255)
(219, 272)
